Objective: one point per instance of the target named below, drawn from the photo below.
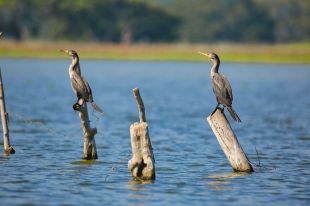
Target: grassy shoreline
(241, 53)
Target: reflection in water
(138, 187)
(4, 157)
(85, 162)
(222, 181)
(48, 138)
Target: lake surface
(273, 102)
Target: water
(273, 102)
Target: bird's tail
(96, 107)
(233, 114)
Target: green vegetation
(254, 30)
(282, 53)
(263, 21)
(277, 21)
(80, 20)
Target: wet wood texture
(90, 150)
(8, 149)
(142, 163)
(229, 142)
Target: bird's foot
(222, 109)
(217, 107)
(213, 112)
(77, 107)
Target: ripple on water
(190, 166)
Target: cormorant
(221, 87)
(79, 84)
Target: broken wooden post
(142, 163)
(229, 142)
(90, 150)
(8, 149)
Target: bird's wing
(89, 92)
(78, 86)
(228, 88)
(222, 89)
(90, 97)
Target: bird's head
(212, 56)
(71, 53)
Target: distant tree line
(97, 20)
(156, 20)
(241, 20)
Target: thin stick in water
(140, 104)
(8, 149)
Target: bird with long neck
(221, 87)
(79, 84)
(75, 64)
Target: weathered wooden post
(8, 149)
(90, 150)
(229, 142)
(84, 94)
(142, 164)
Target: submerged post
(142, 163)
(229, 142)
(90, 150)
(8, 149)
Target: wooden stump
(142, 164)
(229, 142)
(90, 150)
(8, 149)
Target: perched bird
(79, 84)
(221, 87)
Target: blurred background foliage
(125, 21)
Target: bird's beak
(205, 54)
(65, 51)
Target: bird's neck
(215, 68)
(75, 65)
